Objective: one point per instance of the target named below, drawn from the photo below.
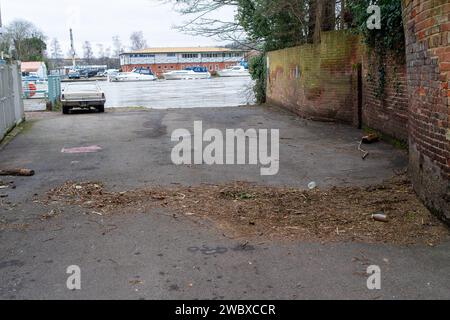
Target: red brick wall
(159, 69)
(385, 110)
(317, 81)
(427, 27)
(326, 87)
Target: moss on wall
(316, 81)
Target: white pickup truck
(82, 95)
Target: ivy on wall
(258, 70)
(384, 43)
(389, 41)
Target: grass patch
(57, 107)
(23, 127)
(133, 108)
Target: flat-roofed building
(37, 68)
(162, 60)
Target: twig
(365, 153)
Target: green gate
(54, 89)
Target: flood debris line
(246, 210)
(17, 172)
(5, 226)
(7, 185)
(51, 214)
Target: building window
(210, 67)
(171, 67)
(171, 55)
(217, 67)
(189, 55)
(210, 55)
(142, 55)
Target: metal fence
(54, 89)
(45, 90)
(11, 104)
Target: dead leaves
(247, 210)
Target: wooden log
(17, 172)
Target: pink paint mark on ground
(90, 149)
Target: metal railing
(50, 90)
(54, 89)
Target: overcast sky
(98, 21)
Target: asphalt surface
(152, 255)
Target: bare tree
(107, 52)
(69, 53)
(100, 51)
(5, 43)
(87, 49)
(25, 39)
(200, 20)
(55, 50)
(298, 21)
(117, 47)
(21, 29)
(137, 41)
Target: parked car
(85, 96)
(102, 74)
(88, 73)
(74, 75)
(92, 73)
(83, 74)
(111, 73)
